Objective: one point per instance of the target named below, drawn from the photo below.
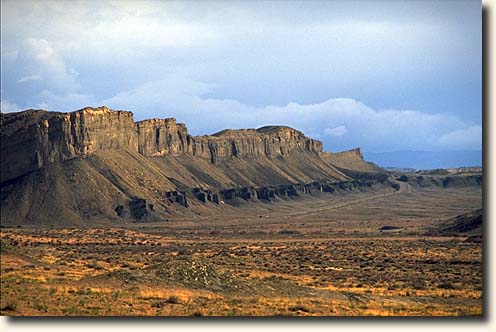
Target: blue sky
(385, 76)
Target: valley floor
(314, 256)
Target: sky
(381, 75)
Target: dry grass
(322, 265)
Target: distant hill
(400, 169)
(425, 160)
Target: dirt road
(403, 188)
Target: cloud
(462, 139)
(64, 102)
(337, 131)
(374, 130)
(144, 31)
(37, 60)
(112, 30)
(29, 78)
(41, 78)
(7, 106)
(236, 65)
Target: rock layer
(158, 137)
(33, 138)
(351, 160)
(294, 190)
(97, 165)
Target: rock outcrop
(270, 141)
(448, 181)
(158, 137)
(177, 197)
(98, 165)
(166, 137)
(205, 196)
(137, 209)
(295, 190)
(33, 138)
(351, 160)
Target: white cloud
(337, 131)
(37, 60)
(64, 102)
(463, 139)
(209, 64)
(29, 78)
(373, 130)
(146, 32)
(118, 31)
(7, 107)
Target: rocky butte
(98, 164)
(33, 138)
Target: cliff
(351, 160)
(33, 138)
(98, 165)
(166, 137)
(158, 137)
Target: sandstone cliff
(34, 138)
(158, 137)
(97, 164)
(351, 160)
(166, 137)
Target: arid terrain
(101, 215)
(297, 257)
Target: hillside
(97, 164)
(467, 224)
(351, 160)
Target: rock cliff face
(98, 165)
(298, 189)
(34, 138)
(351, 160)
(270, 141)
(166, 137)
(158, 137)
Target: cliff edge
(33, 138)
(99, 165)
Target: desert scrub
(172, 299)
(10, 304)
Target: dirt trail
(403, 188)
(288, 213)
